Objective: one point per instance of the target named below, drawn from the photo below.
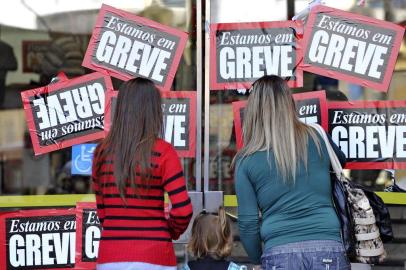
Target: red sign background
(24, 214)
(365, 105)
(79, 264)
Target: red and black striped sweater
(139, 231)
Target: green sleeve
(248, 220)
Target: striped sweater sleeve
(174, 184)
(97, 190)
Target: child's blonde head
(211, 235)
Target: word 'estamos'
(70, 106)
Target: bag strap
(365, 221)
(371, 252)
(335, 163)
(367, 236)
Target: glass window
(222, 137)
(38, 39)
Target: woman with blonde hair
(282, 172)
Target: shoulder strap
(335, 163)
(186, 267)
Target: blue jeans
(306, 255)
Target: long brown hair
(271, 123)
(137, 123)
(211, 235)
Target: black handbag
(363, 215)
(381, 213)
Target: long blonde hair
(271, 123)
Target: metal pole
(291, 9)
(199, 95)
(206, 97)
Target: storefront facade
(38, 39)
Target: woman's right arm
(174, 184)
(248, 218)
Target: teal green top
(290, 213)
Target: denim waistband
(306, 246)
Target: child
(211, 242)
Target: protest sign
(38, 239)
(310, 106)
(128, 46)
(370, 133)
(351, 47)
(179, 110)
(243, 52)
(88, 233)
(67, 112)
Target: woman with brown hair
(132, 169)
(283, 172)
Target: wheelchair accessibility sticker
(82, 156)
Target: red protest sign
(66, 112)
(243, 52)
(351, 47)
(88, 234)
(370, 133)
(129, 46)
(310, 106)
(40, 239)
(179, 111)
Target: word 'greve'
(255, 62)
(92, 238)
(338, 53)
(134, 56)
(371, 141)
(335, 50)
(175, 130)
(42, 249)
(92, 235)
(71, 105)
(349, 54)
